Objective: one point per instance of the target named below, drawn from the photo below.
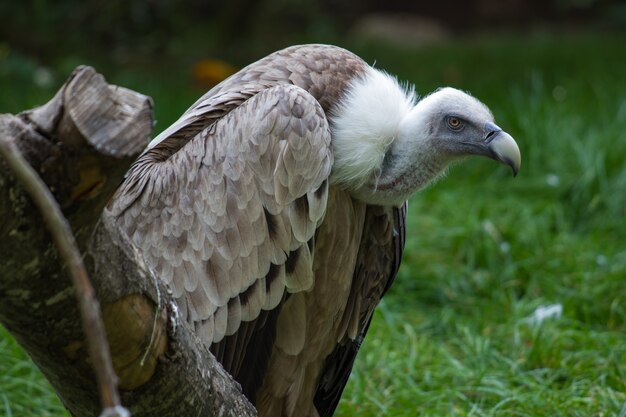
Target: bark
(81, 143)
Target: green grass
(484, 250)
(23, 390)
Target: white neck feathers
(364, 124)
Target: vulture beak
(502, 147)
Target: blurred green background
(458, 335)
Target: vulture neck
(381, 145)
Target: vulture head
(402, 144)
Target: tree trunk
(81, 143)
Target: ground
(457, 335)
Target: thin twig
(66, 245)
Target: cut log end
(113, 120)
(137, 335)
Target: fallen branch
(81, 144)
(66, 245)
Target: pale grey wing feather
(225, 220)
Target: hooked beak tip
(505, 149)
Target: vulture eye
(455, 123)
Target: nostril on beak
(492, 131)
(491, 135)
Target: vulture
(274, 209)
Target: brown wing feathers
(246, 353)
(377, 265)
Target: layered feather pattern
(217, 223)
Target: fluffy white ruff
(364, 124)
